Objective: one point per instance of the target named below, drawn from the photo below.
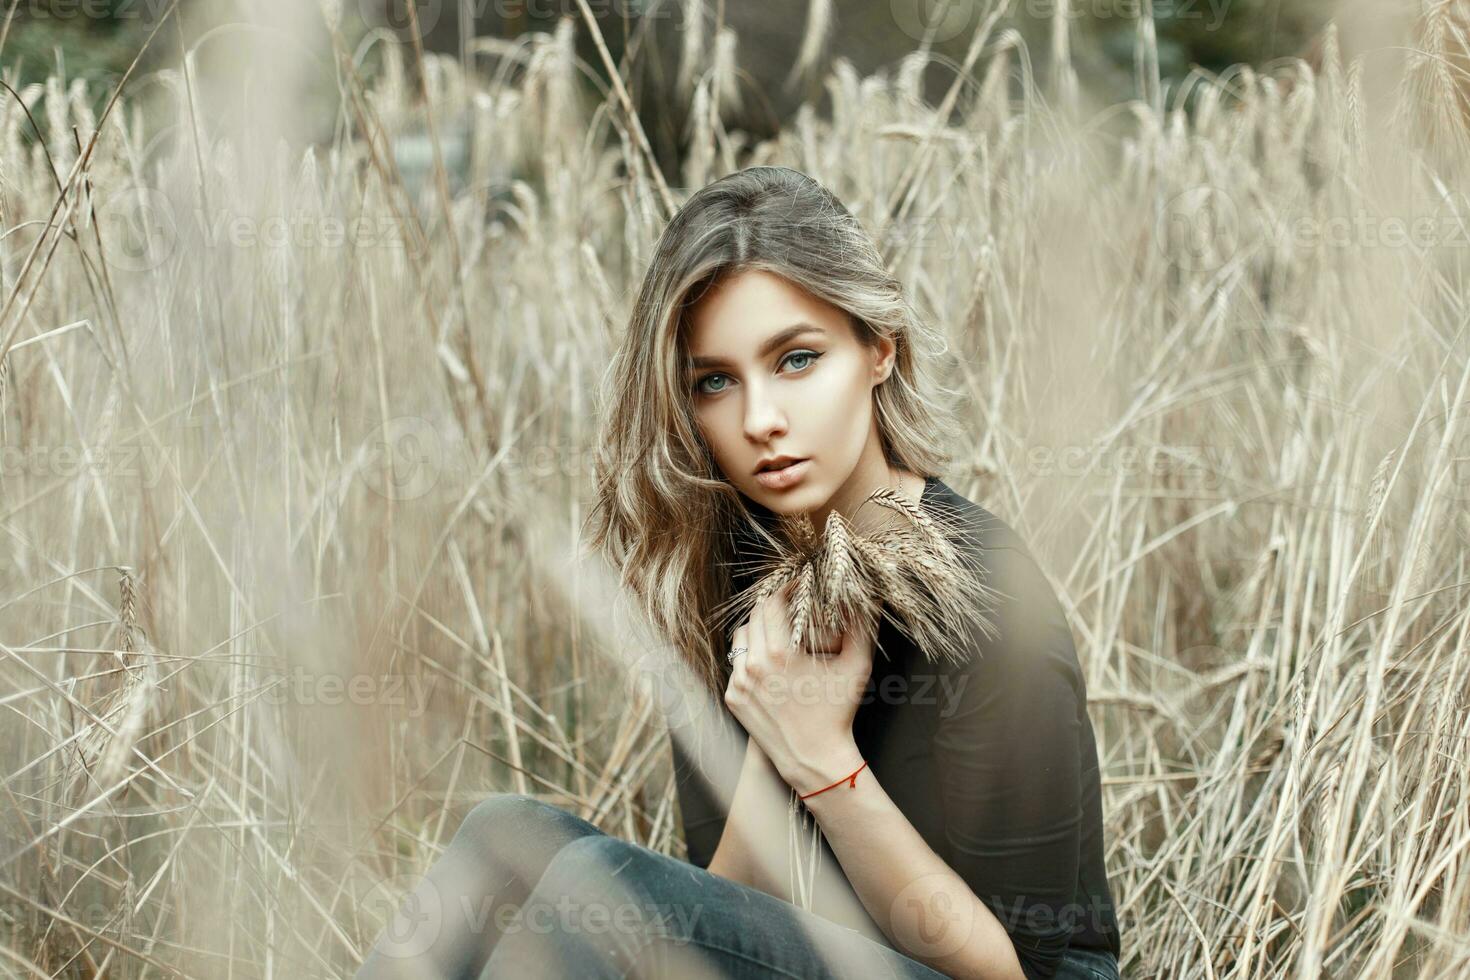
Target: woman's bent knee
(605, 893)
(502, 818)
(618, 873)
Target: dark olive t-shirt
(992, 761)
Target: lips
(778, 462)
(782, 477)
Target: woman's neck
(849, 500)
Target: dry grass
(325, 476)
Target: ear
(884, 350)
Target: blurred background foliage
(287, 446)
(98, 39)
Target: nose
(764, 418)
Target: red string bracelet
(851, 782)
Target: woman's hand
(799, 706)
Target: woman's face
(778, 372)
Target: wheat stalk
(4, 385)
(127, 610)
(1378, 535)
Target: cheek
(720, 430)
(835, 408)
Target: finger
(777, 623)
(825, 640)
(756, 636)
(858, 641)
(738, 639)
(788, 607)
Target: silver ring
(730, 657)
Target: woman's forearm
(757, 817)
(754, 849)
(928, 911)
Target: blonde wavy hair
(663, 513)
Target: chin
(798, 500)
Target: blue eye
(700, 389)
(699, 385)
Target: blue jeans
(1088, 964)
(526, 889)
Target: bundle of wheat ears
(911, 573)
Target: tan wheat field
(285, 516)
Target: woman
(772, 367)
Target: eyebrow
(790, 333)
